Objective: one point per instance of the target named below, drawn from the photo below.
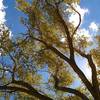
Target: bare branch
(79, 19)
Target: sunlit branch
(26, 88)
(70, 62)
(65, 27)
(68, 34)
(69, 90)
(52, 48)
(93, 68)
(79, 19)
(29, 87)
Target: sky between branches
(7, 16)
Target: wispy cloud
(2, 12)
(87, 70)
(93, 26)
(83, 33)
(3, 19)
(74, 18)
(84, 66)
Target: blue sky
(13, 15)
(91, 17)
(88, 9)
(93, 6)
(94, 14)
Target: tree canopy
(42, 66)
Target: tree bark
(26, 88)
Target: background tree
(41, 65)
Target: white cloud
(84, 66)
(84, 33)
(2, 16)
(74, 18)
(87, 70)
(2, 21)
(2, 12)
(93, 26)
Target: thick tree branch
(94, 72)
(59, 53)
(69, 90)
(94, 76)
(70, 62)
(79, 19)
(69, 39)
(26, 88)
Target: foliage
(41, 66)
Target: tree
(40, 64)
